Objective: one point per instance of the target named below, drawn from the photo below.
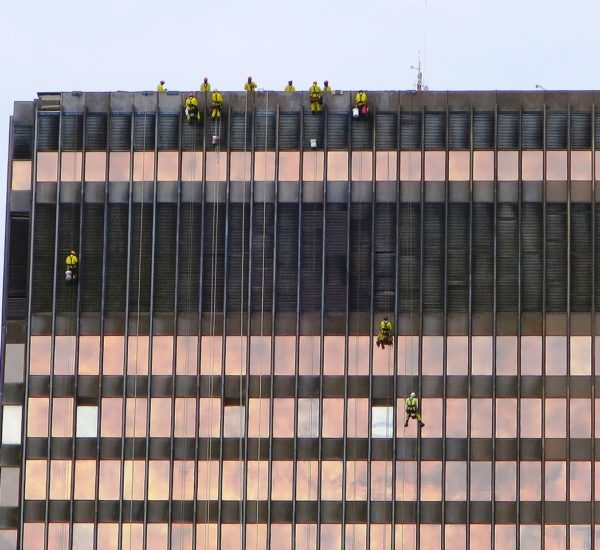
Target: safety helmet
(162, 81)
(290, 82)
(412, 394)
(191, 94)
(315, 82)
(385, 318)
(326, 82)
(206, 79)
(72, 252)
(249, 78)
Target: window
(406, 480)
(260, 355)
(37, 417)
(185, 416)
(532, 165)
(483, 165)
(555, 485)
(60, 479)
(580, 486)
(581, 165)
(208, 479)
(35, 479)
(381, 480)
(70, 166)
(356, 480)
(187, 355)
(258, 417)
(481, 355)
(410, 166)
(358, 417)
(158, 480)
(289, 165)
(11, 424)
(191, 166)
(556, 165)
(135, 417)
(556, 411)
(531, 418)
(481, 481)
(264, 166)
(234, 421)
(431, 480)
(95, 166)
(160, 417)
(113, 354)
(162, 355)
(87, 421)
(85, 475)
(110, 475)
(283, 417)
(62, 417)
(285, 347)
(333, 355)
(456, 414)
(282, 472)
(362, 165)
(310, 355)
(382, 422)
(183, 480)
(556, 355)
(89, 354)
(505, 480)
(531, 355)
(137, 355)
(333, 417)
(112, 410)
(133, 479)
(433, 358)
(235, 355)
(506, 415)
(216, 166)
(21, 175)
(9, 487)
(358, 355)
(168, 165)
(210, 358)
(312, 166)
(14, 359)
(47, 166)
(119, 166)
(581, 350)
(39, 359)
(240, 169)
(386, 162)
(531, 480)
(435, 165)
(210, 417)
(257, 479)
(143, 166)
(459, 168)
(506, 355)
(508, 166)
(308, 417)
(481, 418)
(456, 480)
(457, 355)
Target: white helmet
(412, 394)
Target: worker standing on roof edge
(191, 108)
(315, 97)
(216, 103)
(290, 87)
(385, 337)
(71, 265)
(326, 87)
(250, 85)
(205, 86)
(412, 410)
(361, 103)
(160, 88)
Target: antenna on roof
(420, 84)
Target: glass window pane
(39, 359)
(531, 418)
(312, 166)
(162, 355)
(456, 480)
(358, 417)
(505, 537)
(135, 417)
(531, 486)
(433, 354)
(381, 480)
(456, 413)
(113, 354)
(530, 536)
(435, 165)
(310, 353)
(580, 486)
(234, 421)
(21, 175)
(508, 166)
(581, 165)
(481, 418)
(431, 480)
(185, 416)
(556, 477)
(333, 417)
(158, 480)
(183, 480)
(260, 355)
(556, 411)
(258, 417)
(410, 166)
(481, 481)
(356, 480)
(60, 479)
(208, 479)
(35, 479)
(358, 355)
(191, 166)
(456, 537)
(168, 165)
(160, 417)
(95, 166)
(240, 169)
(11, 424)
(406, 481)
(331, 536)
(457, 354)
(581, 536)
(459, 165)
(483, 165)
(337, 165)
(532, 168)
(556, 355)
(62, 417)
(264, 166)
(187, 355)
(555, 536)
(581, 418)
(119, 166)
(289, 165)
(481, 355)
(37, 417)
(333, 355)
(506, 355)
(285, 355)
(112, 411)
(143, 166)
(505, 480)
(210, 358)
(556, 165)
(362, 165)
(216, 166)
(64, 354)
(257, 479)
(87, 421)
(282, 472)
(110, 475)
(47, 166)
(70, 166)
(210, 415)
(89, 354)
(85, 474)
(382, 422)
(235, 356)
(283, 417)
(581, 355)
(133, 479)
(14, 361)
(9, 487)
(308, 417)
(531, 355)
(506, 415)
(137, 355)
(386, 163)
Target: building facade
(212, 380)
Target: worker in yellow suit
(361, 103)
(314, 94)
(412, 410)
(385, 336)
(191, 108)
(160, 88)
(326, 87)
(250, 85)
(205, 86)
(72, 267)
(216, 103)
(290, 87)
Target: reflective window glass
(183, 480)
(405, 536)
(508, 166)
(337, 166)
(312, 166)
(119, 166)
(89, 354)
(240, 169)
(185, 416)
(258, 417)
(483, 166)
(308, 417)
(530, 536)
(310, 353)
(135, 417)
(9, 487)
(532, 168)
(85, 474)
(480, 536)
(257, 479)
(580, 482)
(234, 421)
(431, 480)
(382, 419)
(11, 424)
(386, 164)
(210, 417)
(481, 418)
(531, 355)
(433, 354)
(333, 417)
(459, 168)
(285, 347)
(581, 536)
(307, 477)
(260, 355)
(505, 480)
(581, 418)
(531, 418)
(210, 358)
(283, 417)
(187, 355)
(333, 355)
(435, 165)
(358, 355)
(168, 165)
(21, 175)
(70, 166)
(14, 359)
(481, 355)
(556, 411)
(456, 480)
(157, 535)
(162, 355)
(158, 479)
(356, 480)
(556, 477)
(216, 166)
(506, 355)
(39, 356)
(581, 355)
(133, 480)
(32, 534)
(381, 480)
(37, 417)
(481, 481)
(208, 480)
(110, 475)
(191, 166)
(506, 415)
(456, 536)
(556, 165)
(62, 417)
(113, 355)
(133, 535)
(47, 166)
(408, 355)
(406, 480)
(112, 413)
(264, 166)
(160, 417)
(60, 479)
(556, 355)
(143, 166)
(235, 355)
(35, 479)
(362, 165)
(555, 536)
(357, 417)
(282, 473)
(137, 355)
(64, 354)
(306, 536)
(457, 354)
(456, 413)
(289, 165)
(581, 165)
(87, 421)
(410, 166)
(95, 166)
(505, 537)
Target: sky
(131, 44)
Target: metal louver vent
(165, 257)
(482, 270)
(507, 239)
(458, 257)
(557, 123)
(410, 130)
(90, 281)
(435, 130)
(214, 127)
(190, 237)
(409, 248)
(385, 257)
(484, 129)
(265, 131)
(144, 131)
(459, 130)
(48, 131)
(531, 256)
(337, 131)
(72, 132)
(68, 238)
(386, 137)
(16, 307)
(433, 257)
(313, 129)
(168, 131)
(95, 131)
(532, 130)
(556, 257)
(581, 130)
(261, 298)
(120, 132)
(508, 130)
(43, 257)
(241, 131)
(335, 257)
(287, 256)
(362, 133)
(581, 256)
(22, 142)
(289, 131)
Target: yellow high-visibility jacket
(71, 260)
(289, 88)
(216, 98)
(361, 98)
(160, 88)
(205, 87)
(250, 86)
(191, 102)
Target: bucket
(355, 112)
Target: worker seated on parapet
(412, 410)
(71, 267)
(316, 99)
(361, 103)
(216, 103)
(385, 336)
(160, 88)
(249, 85)
(191, 108)
(205, 86)
(326, 87)
(290, 87)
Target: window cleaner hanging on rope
(361, 109)
(385, 336)
(191, 108)
(71, 267)
(216, 104)
(316, 99)
(412, 410)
